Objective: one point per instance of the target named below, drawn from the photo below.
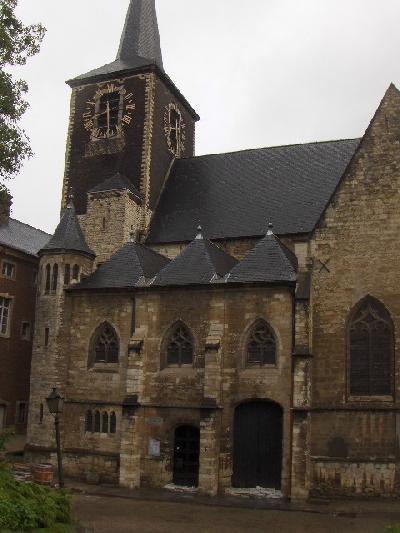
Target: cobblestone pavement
(117, 515)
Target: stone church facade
(223, 320)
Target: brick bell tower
(128, 122)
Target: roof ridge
(267, 148)
(30, 226)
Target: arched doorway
(186, 456)
(257, 453)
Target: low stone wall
(354, 479)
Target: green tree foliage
(17, 43)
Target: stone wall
(355, 253)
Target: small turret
(64, 260)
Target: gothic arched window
(371, 348)
(261, 345)
(105, 345)
(67, 274)
(179, 346)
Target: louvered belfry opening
(371, 349)
(179, 346)
(261, 345)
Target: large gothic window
(370, 338)
(261, 345)
(179, 346)
(105, 345)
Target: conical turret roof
(200, 262)
(269, 262)
(68, 236)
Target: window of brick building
(8, 270)
(371, 349)
(5, 315)
(26, 331)
(179, 346)
(261, 345)
(105, 345)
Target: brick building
(238, 353)
(19, 263)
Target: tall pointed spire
(139, 46)
(141, 36)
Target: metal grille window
(180, 347)
(5, 310)
(106, 345)
(261, 346)
(370, 350)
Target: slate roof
(233, 194)
(131, 265)
(200, 262)
(269, 262)
(22, 237)
(140, 42)
(118, 182)
(68, 235)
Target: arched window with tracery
(179, 346)
(261, 345)
(105, 345)
(371, 349)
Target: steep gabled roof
(133, 264)
(200, 262)
(118, 182)
(269, 262)
(233, 194)
(22, 237)
(140, 42)
(68, 235)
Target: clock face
(109, 111)
(174, 129)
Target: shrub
(25, 506)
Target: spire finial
(199, 235)
(141, 37)
(270, 228)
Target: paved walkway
(105, 514)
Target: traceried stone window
(179, 346)
(5, 312)
(105, 345)
(261, 345)
(371, 349)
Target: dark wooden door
(186, 456)
(257, 457)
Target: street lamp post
(55, 403)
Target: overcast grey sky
(258, 72)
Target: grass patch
(392, 529)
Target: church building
(218, 321)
